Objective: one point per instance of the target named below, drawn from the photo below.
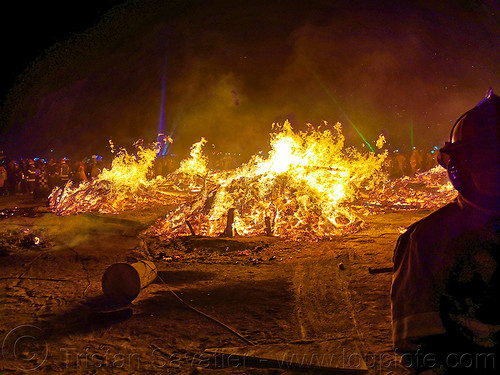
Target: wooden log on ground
(269, 231)
(229, 231)
(193, 233)
(337, 356)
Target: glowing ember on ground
(425, 190)
(308, 187)
(301, 190)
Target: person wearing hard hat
(30, 176)
(63, 172)
(446, 276)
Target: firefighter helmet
(474, 142)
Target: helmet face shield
(455, 148)
(443, 159)
(472, 155)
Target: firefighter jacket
(64, 172)
(446, 279)
(31, 173)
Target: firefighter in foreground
(446, 280)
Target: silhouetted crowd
(38, 177)
(401, 164)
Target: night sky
(227, 70)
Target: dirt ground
(218, 306)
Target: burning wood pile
(309, 187)
(127, 185)
(425, 190)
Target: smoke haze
(395, 67)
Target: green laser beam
(330, 95)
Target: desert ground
(217, 306)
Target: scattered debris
(297, 357)
(193, 233)
(245, 252)
(379, 270)
(21, 239)
(424, 190)
(230, 231)
(20, 211)
(255, 260)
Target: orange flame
(310, 186)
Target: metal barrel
(122, 282)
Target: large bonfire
(309, 186)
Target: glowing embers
(308, 187)
(128, 184)
(300, 191)
(425, 190)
